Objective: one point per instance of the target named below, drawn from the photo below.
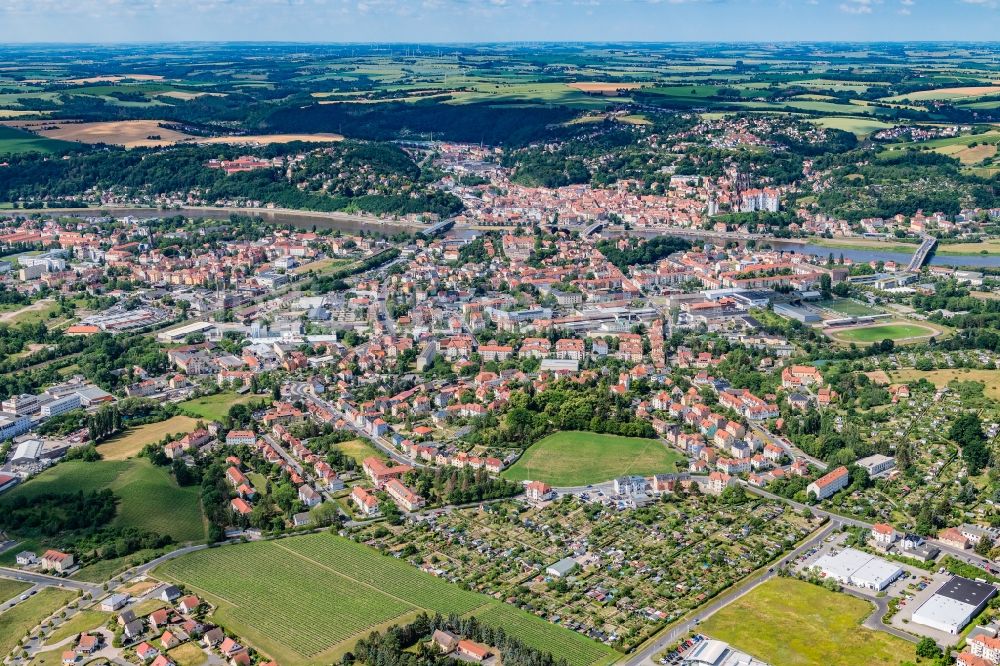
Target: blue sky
(497, 20)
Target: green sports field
(150, 498)
(896, 331)
(307, 599)
(577, 458)
(788, 622)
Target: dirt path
(37, 305)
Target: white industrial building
(27, 452)
(12, 425)
(61, 405)
(718, 653)
(954, 605)
(205, 328)
(876, 464)
(562, 568)
(853, 567)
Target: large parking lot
(676, 656)
(899, 588)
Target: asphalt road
(874, 621)
(49, 581)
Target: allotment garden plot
(306, 600)
(641, 568)
(930, 469)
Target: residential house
(54, 560)
(474, 651)
(536, 491)
(366, 503)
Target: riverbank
(305, 219)
(897, 247)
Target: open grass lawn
(38, 311)
(216, 407)
(894, 331)
(144, 608)
(358, 449)
(788, 622)
(47, 658)
(18, 141)
(188, 654)
(11, 588)
(20, 619)
(150, 498)
(987, 247)
(82, 621)
(578, 458)
(130, 443)
(865, 244)
(991, 378)
(322, 266)
(307, 599)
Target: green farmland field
(307, 599)
(18, 141)
(150, 498)
(579, 458)
(788, 622)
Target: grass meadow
(788, 622)
(579, 458)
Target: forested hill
(493, 124)
(379, 178)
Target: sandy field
(116, 79)
(969, 154)
(949, 93)
(128, 133)
(606, 88)
(185, 96)
(134, 133)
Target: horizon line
(513, 42)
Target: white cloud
(859, 6)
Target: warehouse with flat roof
(853, 567)
(954, 605)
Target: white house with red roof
(830, 483)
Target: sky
(497, 20)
